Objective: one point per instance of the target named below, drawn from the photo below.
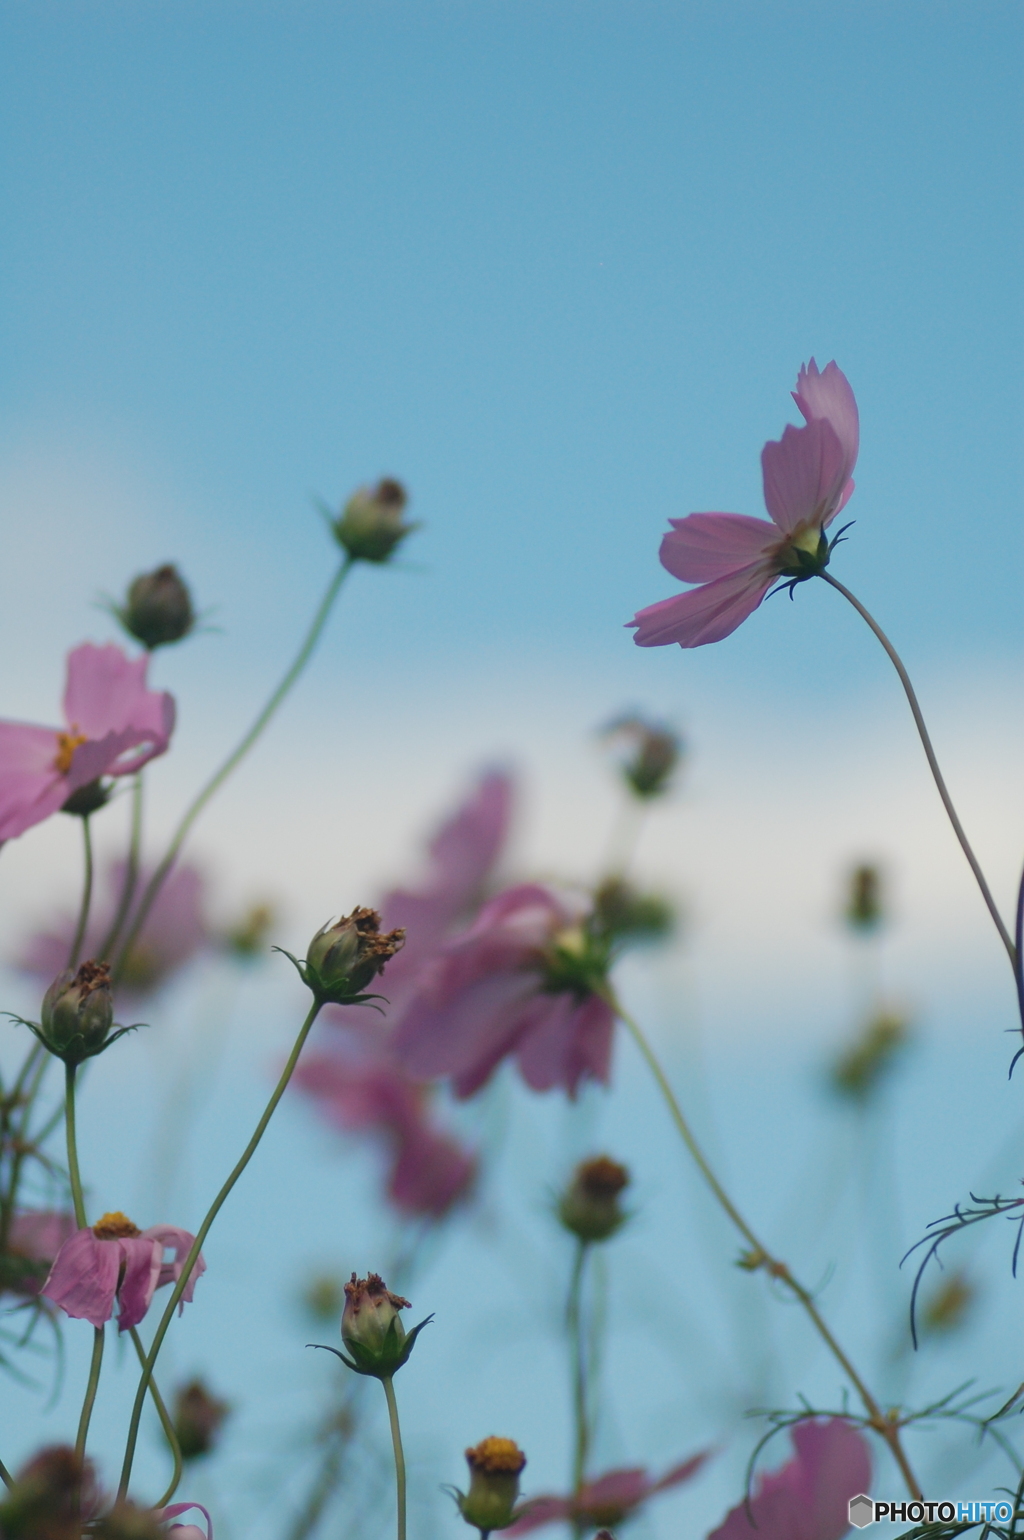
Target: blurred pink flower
(33, 1240)
(175, 929)
(611, 1499)
(360, 1088)
(113, 725)
(115, 1260)
(807, 1499)
(736, 559)
(186, 1531)
(494, 990)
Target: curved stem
(131, 875)
(6, 1477)
(83, 912)
(396, 1442)
(36, 1060)
(577, 1347)
(69, 1124)
(165, 1422)
(203, 1231)
(90, 1393)
(759, 1255)
(220, 776)
(933, 764)
(1018, 936)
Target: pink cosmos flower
(186, 1531)
(33, 1240)
(361, 1088)
(499, 988)
(174, 931)
(115, 1260)
(113, 725)
(807, 1499)
(736, 559)
(609, 1500)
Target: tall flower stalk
(760, 1258)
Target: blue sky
(556, 265)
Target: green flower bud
(589, 1207)
(372, 1329)
(370, 526)
(654, 752)
(495, 1465)
(78, 1013)
(625, 914)
(344, 957)
(158, 608)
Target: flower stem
(165, 1422)
(69, 1124)
(197, 1245)
(577, 1347)
(760, 1257)
(131, 875)
(83, 912)
(396, 1441)
(5, 1476)
(234, 758)
(90, 1393)
(933, 764)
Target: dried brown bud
(78, 1012)
(344, 957)
(590, 1204)
(197, 1419)
(51, 1496)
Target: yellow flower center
(67, 743)
(497, 1454)
(807, 539)
(115, 1227)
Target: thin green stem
(38, 1059)
(131, 878)
(69, 1124)
(933, 764)
(396, 1442)
(83, 911)
(90, 1393)
(220, 776)
(577, 1349)
(6, 1477)
(760, 1257)
(204, 1230)
(166, 1422)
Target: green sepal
(69, 1053)
(324, 996)
(383, 1364)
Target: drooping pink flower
(807, 1499)
(186, 1531)
(33, 1240)
(607, 1501)
(175, 929)
(360, 1088)
(113, 725)
(513, 983)
(114, 1260)
(735, 559)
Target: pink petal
(828, 394)
(142, 1258)
(431, 1173)
(565, 1040)
(40, 1233)
(106, 694)
(705, 546)
(539, 1511)
(465, 849)
(682, 1472)
(83, 1278)
(180, 1242)
(617, 1488)
(31, 788)
(704, 614)
(804, 476)
(185, 1531)
(807, 1499)
(465, 1036)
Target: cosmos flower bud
(495, 1465)
(158, 608)
(372, 1329)
(864, 908)
(590, 1207)
(50, 1497)
(370, 526)
(197, 1419)
(77, 1013)
(344, 957)
(627, 915)
(653, 753)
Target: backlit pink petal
(431, 1173)
(807, 1499)
(704, 614)
(608, 1500)
(466, 848)
(705, 546)
(185, 1531)
(539, 1511)
(828, 394)
(804, 476)
(464, 1035)
(142, 1256)
(83, 1278)
(618, 1488)
(682, 1472)
(31, 786)
(564, 1041)
(106, 699)
(40, 1233)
